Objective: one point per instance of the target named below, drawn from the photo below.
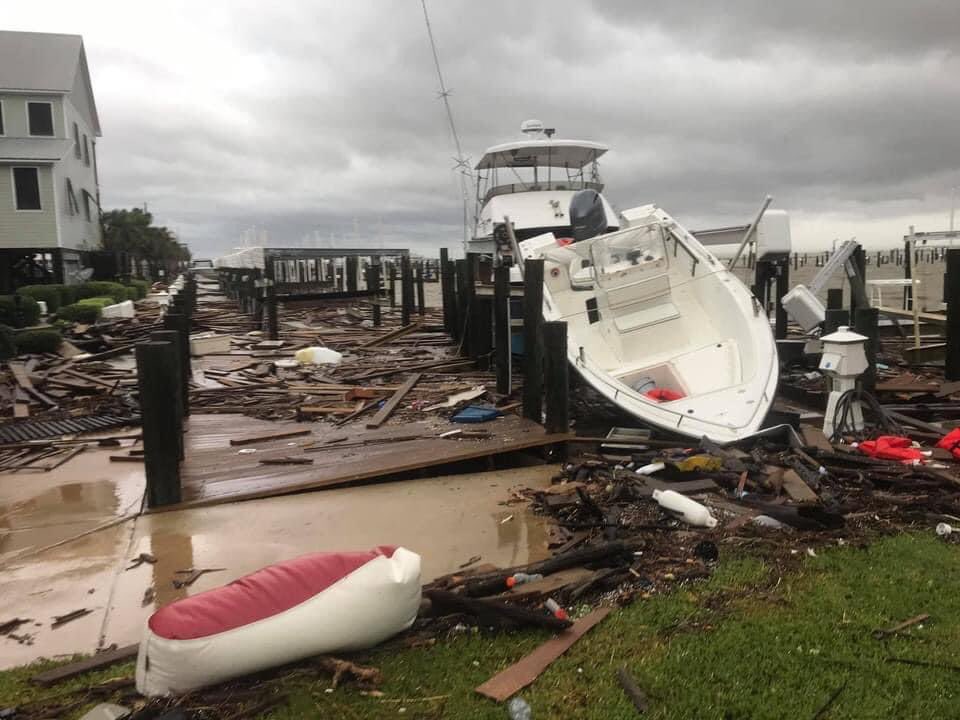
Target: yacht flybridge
(655, 322)
(532, 181)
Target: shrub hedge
(80, 312)
(102, 288)
(29, 311)
(50, 294)
(142, 287)
(7, 348)
(45, 340)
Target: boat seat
(638, 291)
(656, 313)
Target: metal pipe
(750, 231)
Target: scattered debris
(632, 690)
(60, 620)
(192, 575)
(522, 673)
(916, 620)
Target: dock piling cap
(844, 336)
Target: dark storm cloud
(321, 119)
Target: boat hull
(661, 328)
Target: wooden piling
(178, 323)
(460, 327)
(502, 334)
(780, 313)
(350, 271)
(952, 290)
(373, 283)
(473, 328)
(173, 337)
(907, 269)
(273, 325)
(866, 323)
(445, 287)
(161, 421)
(834, 318)
(393, 285)
(483, 337)
(406, 290)
(859, 260)
(421, 307)
(834, 298)
(556, 377)
(532, 338)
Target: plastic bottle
(521, 578)
(651, 468)
(519, 709)
(691, 511)
(554, 607)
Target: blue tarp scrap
(475, 414)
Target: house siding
(15, 113)
(75, 231)
(30, 229)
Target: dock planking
(215, 472)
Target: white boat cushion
(311, 605)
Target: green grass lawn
(748, 643)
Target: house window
(26, 188)
(86, 151)
(73, 208)
(1, 117)
(86, 205)
(40, 118)
(76, 141)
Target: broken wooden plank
(910, 622)
(269, 436)
(387, 410)
(97, 662)
(797, 489)
(492, 612)
(516, 677)
(550, 584)
(392, 335)
(814, 437)
(287, 461)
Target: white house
(49, 191)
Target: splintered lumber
(492, 612)
(387, 410)
(392, 335)
(797, 489)
(269, 436)
(496, 583)
(516, 677)
(97, 662)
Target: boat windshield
(636, 249)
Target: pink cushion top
(257, 596)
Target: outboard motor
(587, 215)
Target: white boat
(532, 181)
(659, 326)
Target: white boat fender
(768, 522)
(691, 511)
(651, 468)
(317, 355)
(311, 605)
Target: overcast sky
(304, 116)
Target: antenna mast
(462, 163)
